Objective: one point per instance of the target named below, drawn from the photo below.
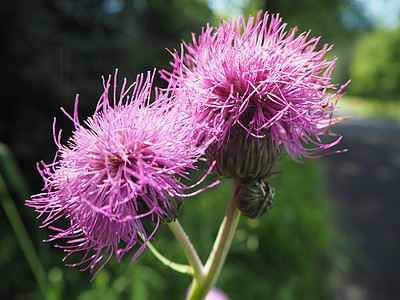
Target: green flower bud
(244, 156)
(254, 198)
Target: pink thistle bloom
(260, 77)
(216, 294)
(120, 167)
(213, 294)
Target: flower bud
(244, 156)
(254, 198)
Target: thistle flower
(216, 294)
(120, 168)
(213, 294)
(259, 77)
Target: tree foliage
(375, 68)
(54, 49)
(337, 22)
(324, 17)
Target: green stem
(216, 260)
(169, 263)
(188, 249)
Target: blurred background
(333, 232)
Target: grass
(385, 109)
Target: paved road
(365, 182)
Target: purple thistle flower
(216, 294)
(213, 294)
(119, 168)
(261, 78)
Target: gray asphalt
(365, 184)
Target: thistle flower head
(259, 76)
(119, 168)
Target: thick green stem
(188, 249)
(216, 260)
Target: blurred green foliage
(54, 49)
(375, 67)
(293, 252)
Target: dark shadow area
(364, 184)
